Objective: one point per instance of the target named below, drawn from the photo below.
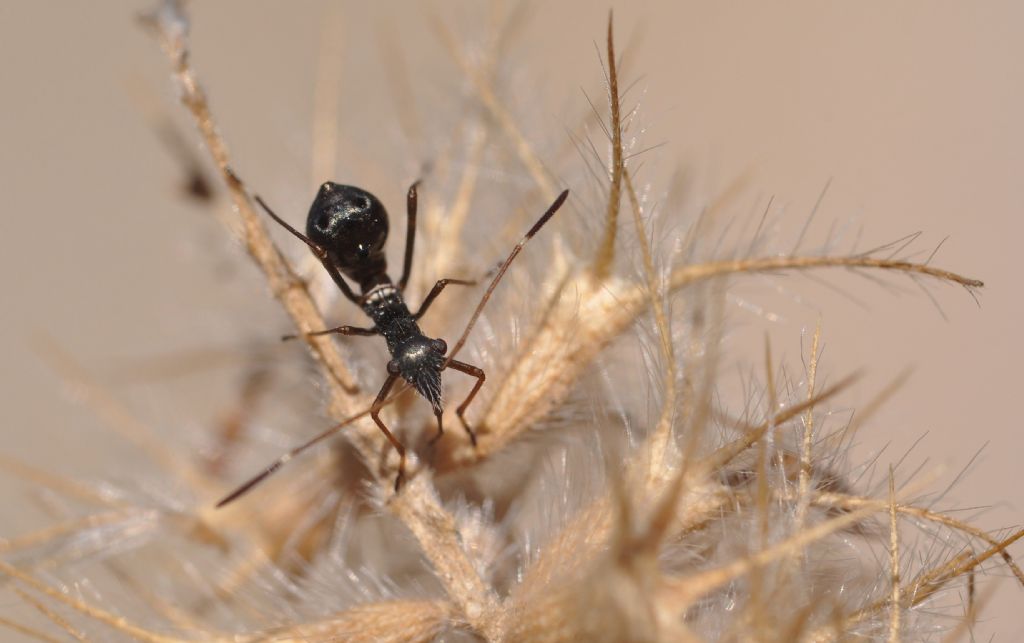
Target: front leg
(410, 235)
(436, 290)
(340, 330)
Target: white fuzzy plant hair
(618, 492)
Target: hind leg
(460, 411)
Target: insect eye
(439, 346)
(393, 367)
(323, 221)
(363, 202)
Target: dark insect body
(346, 229)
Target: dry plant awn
(612, 492)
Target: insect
(346, 230)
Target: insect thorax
(385, 306)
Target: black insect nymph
(347, 229)
(351, 225)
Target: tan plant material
(612, 495)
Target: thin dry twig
(581, 542)
(836, 500)
(438, 536)
(444, 553)
(606, 251)
(690, 274)
(100, 615)
(534, 166)
(53, 532)
(586, 314)
(919, 590)
(383, 622)
(120, 419)
(894, 562)
(283, 282)
(58, 484)
(684, 591)
(808, 438)
(54, 617)
(26, 630)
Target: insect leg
(460, 411)
(436, 290)
(410, 235)
(375, 414)
(340, 330)
(440, 428)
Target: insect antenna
(501, 273)
(283, 460)
(237, 181)
(317, 250)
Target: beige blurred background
(912, 109)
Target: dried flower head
(616, 492)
